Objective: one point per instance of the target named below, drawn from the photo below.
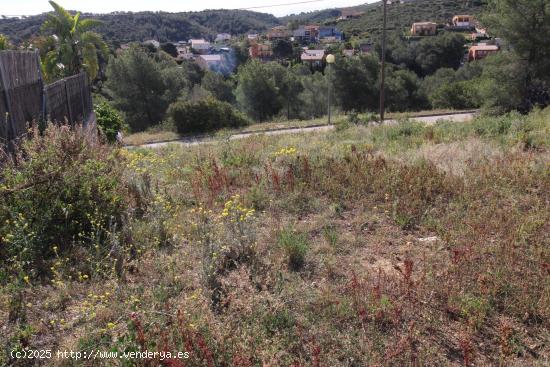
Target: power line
(285, 4)
(249, 8)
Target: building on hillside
(261, 51)
(220, 63)
(424, 29)
(307, 34)
(253, 36)
(279, 32)
(315, 58)
(209, 61)
(330, 34)
(463, 21)
(222, 37)
(184, 53)
(346, 14)
(481, 51)
(200, 46)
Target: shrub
(353, 118)
(62, 200)
(205, 115)
(109, 120)
(295, 246)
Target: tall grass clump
(295, 245)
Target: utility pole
(383, 63)
(330, 61)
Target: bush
(295, 245)
(62, 201)
(205, 115)
(109, 120)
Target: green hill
(125, 27)
(400, 15)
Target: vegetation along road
(190, 141)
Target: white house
(222, 37)
(211, 62)
(200, 45)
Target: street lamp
(330, 61)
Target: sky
(31, 7)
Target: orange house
(280, 32)
(424, 29)
(481, 51)
(260, 51)
(463, 21)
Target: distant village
(316, 41)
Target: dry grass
(425, 246)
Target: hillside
(125, 27)
(400, 16)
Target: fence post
(82, 99)
(42, 88)
(10, 131)
(68, 100)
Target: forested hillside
(124, 27)
(400, 16)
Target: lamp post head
(330, 59)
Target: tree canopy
(77, 48)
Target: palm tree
(77, 48)
(4, 42)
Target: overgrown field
(402, 245)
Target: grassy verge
(390, 245)
(159, 135)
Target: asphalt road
(429, 120)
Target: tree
(170, 49)
(457, 95)
(288, 85)
(427, 55)
(433, 53)
(218, 86)
(282, 49)
(175, 82)
(313, 98)
(502, 86)
(403, 91)
(525, 24)
(257, 92)
(135, 81)
(241, 52)
(77, 48)
(355, 83)
(193, 71)
(457, 89)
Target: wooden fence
(24, 97)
